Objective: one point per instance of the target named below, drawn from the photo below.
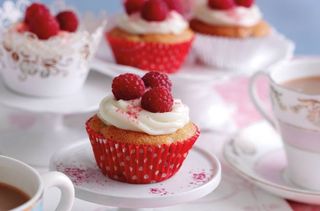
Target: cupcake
(152, 35)
(141, 134)
(232, 34)
(46, 55)
(230, 18)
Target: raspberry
(68, 21)
(127, 86)
(155, 79)
(221, 4)
(133, 6)
(34, 10)
(157, 100)
(176, 5)
(44, 26)
(245, 3)
(155, 10)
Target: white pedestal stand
(36, 144)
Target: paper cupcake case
(241, 54)
(138, 164)
(55, 67)
(44, 68)
(152, 56)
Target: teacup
(27, 180)
(296, 116)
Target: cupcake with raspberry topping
(141, 134)
(47, 55)
(232, 34)
(230, 18)
(152, 35)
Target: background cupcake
(141, 136)
(46, 55)
(152, 35)
(232, 34)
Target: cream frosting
(135, 24)
(63, 44)
(238, 16)
(129, 115)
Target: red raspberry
(133, 6)
(34, 10)
(155, 79)
(245, 3)
(127, 86)
(155, 10)
(221, 4)
(44, 26)
(68, 21)
(176, 5)
(157, 100)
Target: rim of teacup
(38, 193)
(291, 63)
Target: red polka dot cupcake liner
(138, 164)
(152, 56)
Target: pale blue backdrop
(297, 19)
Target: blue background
(297, 19)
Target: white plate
(199, 175)
(256, 154)
(86, 100)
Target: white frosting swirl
(129, 115)
(63, 44)
(135, 24)
(238, 16)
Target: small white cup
(296, 116)
(27, 179)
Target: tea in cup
(22, 187)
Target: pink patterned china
(296, 117)
(256, 153)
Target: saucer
(199, 175)
(256, 153)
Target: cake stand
(199, 175)
(194, 84)
(50, 131)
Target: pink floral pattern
(247, 114)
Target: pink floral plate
(256, 154)
(199, 175)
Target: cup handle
(61, 181)
(257, 101)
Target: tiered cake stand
(50, 133)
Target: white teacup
(296, 115)
(25, 178)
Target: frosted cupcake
(229, 18)
(152, 35)
(46, 55)
(232, 34)
(141, 136)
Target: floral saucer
(256, 153)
